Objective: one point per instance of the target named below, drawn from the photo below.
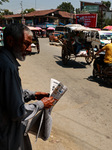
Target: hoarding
(87, 20)
(91, 8)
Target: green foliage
(1, 1)
(6, 12)
(102, 22)
(66, 6)
(28, 10)
(78, 11)
(107, 3)
(107, 22)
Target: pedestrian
(14, 109)
(78, 42)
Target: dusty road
(82, 119)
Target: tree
(107, 3)
(66, 6)
(107, 22)
(104, 21)
(6, 12)
(28, 10)
(100, 20)
(78, 11)
(1, 1)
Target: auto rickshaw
(69, 46)
(35, 41)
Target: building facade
(41, 18)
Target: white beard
(18, 54)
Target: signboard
(91, 8)
(87, 20)
(50, 25)
(46, 25)
(29, 22)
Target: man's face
(20, 47)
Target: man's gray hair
(29, 32)
(16, 31)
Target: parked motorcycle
(100, 71)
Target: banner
(91, 8)
(87, 20)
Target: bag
(40, 125)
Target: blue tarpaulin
(61, 23)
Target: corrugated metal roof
(42, 13)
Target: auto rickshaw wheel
(65, 56)
(89, 57)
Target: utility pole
(35, 4)
(22, 15)
(101, 16)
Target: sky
(15, 7)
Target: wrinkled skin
(22, 46)
(48, 101)
(44, 97)
(40, 95)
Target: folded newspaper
(57, 89)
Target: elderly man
(14, 112)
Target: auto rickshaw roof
(78, 27)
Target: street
(82, 117)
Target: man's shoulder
(109, 45)
(5, 62)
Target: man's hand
(40, 95)
(48, 101)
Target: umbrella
(33, 28)
(98, 29)
(50, 28)
(108, 27)
(38, 28)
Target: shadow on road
(99, 81)
(71, 63)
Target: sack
(40, 125)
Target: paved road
(82, 119)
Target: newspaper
(34, 125)
(57, 89)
